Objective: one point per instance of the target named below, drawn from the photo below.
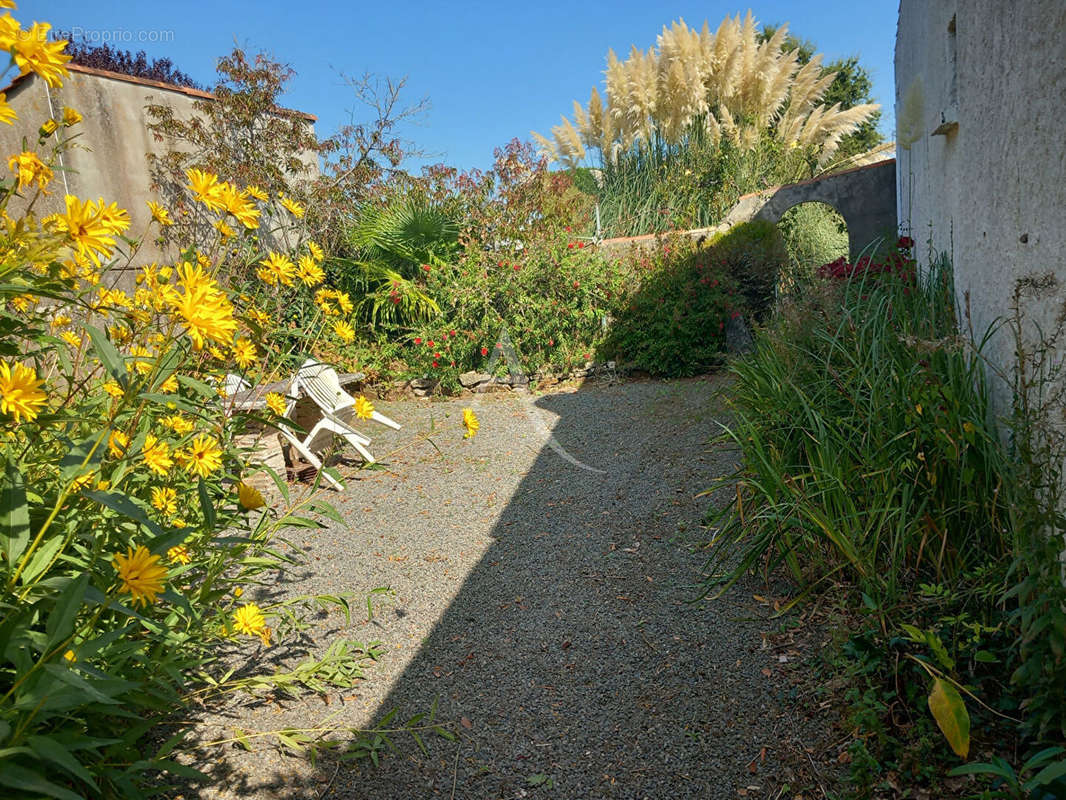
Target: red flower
(426, 267)
(436, 364)
(576, 284)
(418, 340)
(451, 333)
(453, 363)
(516, 268)
(551, 343)
(429, 343)
(568, 229)
(436, 355)
(484, 351)
(570, 246)
(580, 245)
(499, 263)
(905, 243)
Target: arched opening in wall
(814, 234)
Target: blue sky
(491, 71)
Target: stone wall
(980, 90)
(113, 140)
(865, 196)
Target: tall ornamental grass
(870, 451)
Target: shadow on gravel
(571, 663)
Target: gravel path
(542, 606)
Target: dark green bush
(674, 319)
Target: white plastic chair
(313, 441)
(321, 383)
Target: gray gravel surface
(544, 607)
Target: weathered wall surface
(113, 140)
(981, 154)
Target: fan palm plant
(389, 243)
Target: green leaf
(107, 354)
(1047, 775)
(83, 456)
(951, 716)
(206, 506)
(985, 657)
(40, 560)
(50, 750)
(18, 777)
(199, 387)
(65, 612)
(14, 515)
(123, 505)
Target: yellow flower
(114, 389)
(224, 229)
(113, 218)
(276, 403)
(86, 225)
(48, 127)
(117, 443)
(244, 353)
(206, 187)
(968, 427)
(277, 268)
(203, 456)
(249, 497)
(70, 657)
(309, 272)
(179, 554)
(264, 636)
(140, 360)
(82, 481)
(7, 113)
(258, 317)
(170, 385)
(30, 168)
(35, 52)
(23, 302)
(316, 251)
(239, 206)
(70, 116)
(160, 214)
(364, 409)
(249, 619)
(344, 331)
(292, 206)
(141, 574)
(254, 191)
(20, 393)
(204, 308)
(238, 592)
(165, 499)
(177, 423)
(156, 455)
(344, 301)
(470, 420)
(60, 321)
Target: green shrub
(814, 234)
(673, 320)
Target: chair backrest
(322, 385)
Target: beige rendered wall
(981, 153)
(109, 160)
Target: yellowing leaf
(951, 716)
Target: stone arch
(864, 196)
